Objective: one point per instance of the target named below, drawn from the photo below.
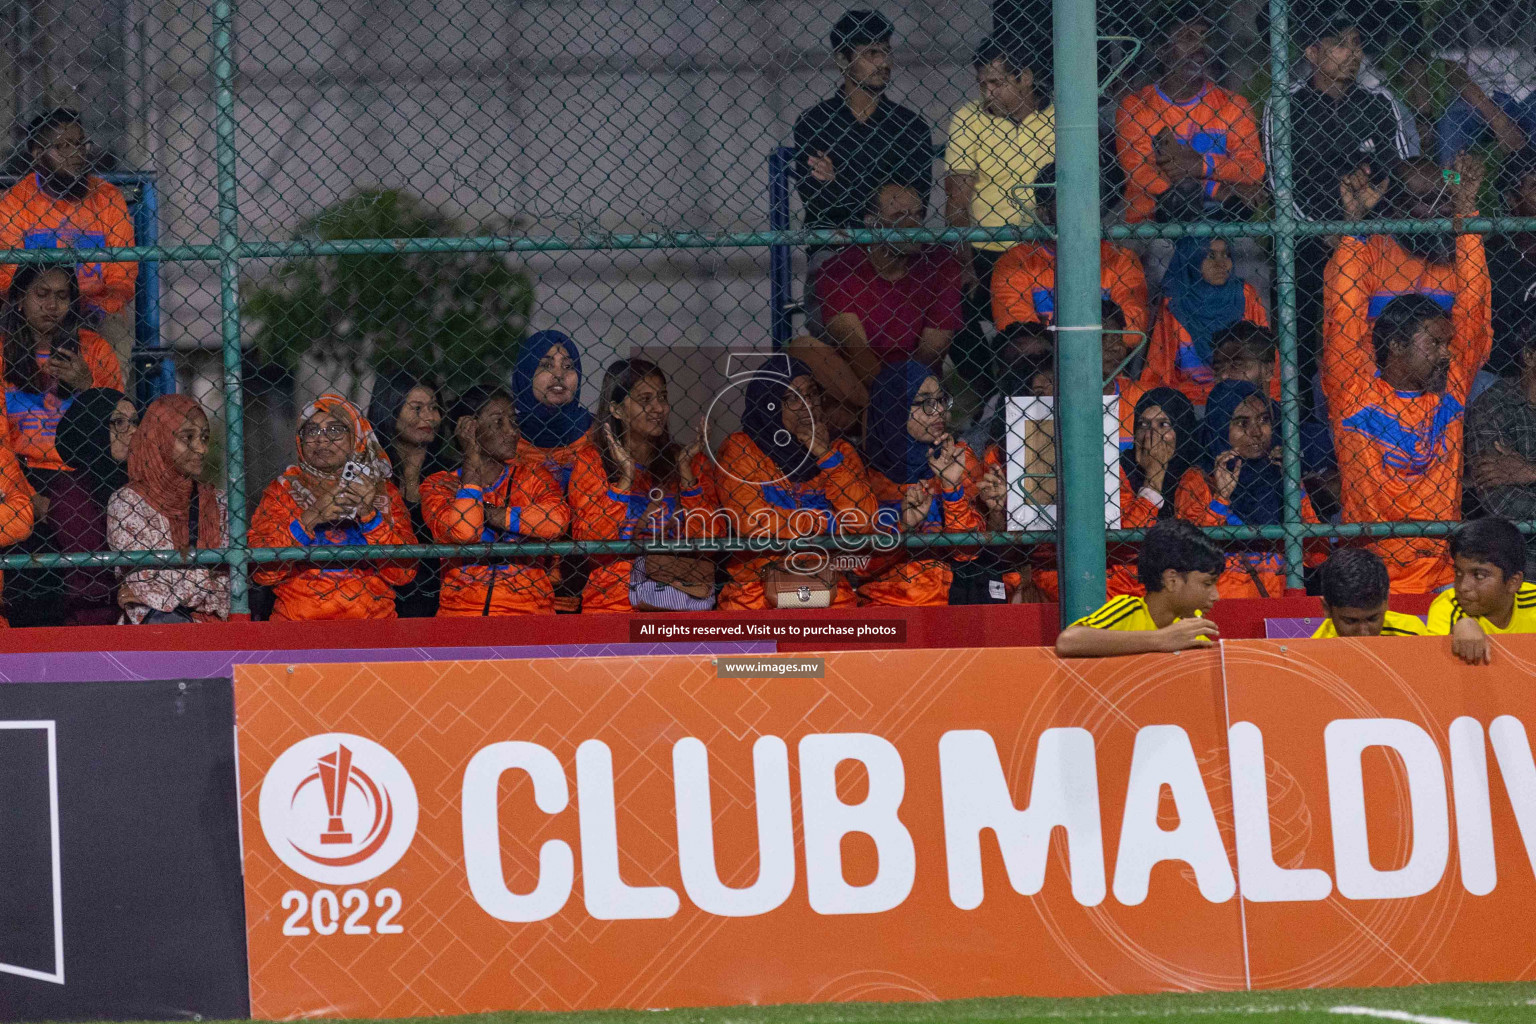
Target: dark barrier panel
(120, 885)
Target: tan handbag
(787, 588)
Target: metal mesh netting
(609, 306)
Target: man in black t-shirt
(857, 141)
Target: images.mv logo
(338, 809)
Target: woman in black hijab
(92, 441)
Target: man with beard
(1397, 383)
(998, 145)
(60, 204)
(882, 303)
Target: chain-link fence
(478, 308)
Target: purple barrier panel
(1291, 629)
(118, 666)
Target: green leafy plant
(457, 315)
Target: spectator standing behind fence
(848, 146)
(1240, 483)
(636, 483)
(997, 146)
(1201, 298)
(407, 420)
(1501, 445)
(59, 204)
(93, 441)
(1337, 128)
(555, 428)
(495, 497)
(1495, 90)
(166, 506)
(925, 481)
(883, 303)
(1024, 280)
(783, 476)
(339, 493)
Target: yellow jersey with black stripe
(1395, 624)
(1445, 612)
(1124, 612)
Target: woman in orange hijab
(338, 493)
(166, 506)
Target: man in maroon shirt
(881, 303)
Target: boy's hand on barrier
(1187, 633)
(1470, 643)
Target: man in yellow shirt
(1355, 591)
(1178, 565)
(996, 144)
(1490, 594)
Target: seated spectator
(61, 205)
(1246, 351)
(1024, 281)
(1355, 591)
(1338, 127)
(1240, 483)
(495, 497)
(407, 420)
(1501, 445)
(556, 429)
(636, 483)
(997, 145)
(1397, 389)
(1178, 567)
(783, 476)
(166, 506)
(49, 355)
(93, 441)
(882, 304)
(1201, 297)
(338, 493)
(1184, 130)
(924, 481)
(1495, 89)
(1512, 265)
(16, 512)
(1491, 594)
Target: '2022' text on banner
(932, 824)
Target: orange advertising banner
(581, 834)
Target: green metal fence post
(1080, 420)
(229, 296)
(1285, 282)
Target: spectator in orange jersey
(94, 437)
(49, 355)
(636, 483)
(1184, 130)
(1239, 483)
(493, 498)
(924, 480)
(782, 476)
(338, 493)
(61, 205)
(546, 385)
(1397, 384)
(1024, 280)
(408, 420)
(15, 505)
(1201, 297)
(166, 506)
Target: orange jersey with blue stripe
(33, 418)
(910, 581)
(1024, 286)
(32, 219)
(1400, 451)
(1216, 124)
(1172, 359)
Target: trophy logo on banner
(338, 809)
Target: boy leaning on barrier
(1178, 565)
(1490, 594)
(1355, 588)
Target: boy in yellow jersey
(1355, 589)
(1490, 594)
(1178, 565)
